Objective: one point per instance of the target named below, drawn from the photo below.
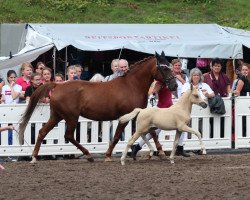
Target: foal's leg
(198, 134)
(118, 132)
(176, 140)
(151, 148)
(69, 135)
(42, 134)
(128, 146)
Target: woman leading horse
(97, 101)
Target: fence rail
(95, 136)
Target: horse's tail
(41, 92)
(125, 118)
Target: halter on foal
(177, 117)
(97, 101)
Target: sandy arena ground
(198, 177)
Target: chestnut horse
(97, 101)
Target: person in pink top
(164, 101)
(24, 79)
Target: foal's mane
(140, 62)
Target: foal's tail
(125, 118)
(41, 92)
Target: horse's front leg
(198, 134)
(128, 146)
(176, 140)
(118, 132)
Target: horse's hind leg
(42, 134)
(118, 132)
(151, 148)
(69, 135)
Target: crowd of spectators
(209, 74)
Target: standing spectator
(59, 78)
(71, 72)
(79, 70)
(217, 80)
(123, 67)
(35, 83)
(24, 79)
(243, 84)
(114, 68)
(40, 66)
(10, 94)
(181, 79)
(46, 75)
(1, 85)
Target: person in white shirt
(11, 91)
(196, 78)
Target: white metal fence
(95, 136)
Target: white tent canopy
(177, 40)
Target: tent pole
(66, 62)
(54, 60)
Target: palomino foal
(177, 117)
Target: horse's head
(164, 72)
(195, 97)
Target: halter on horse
(97, 101)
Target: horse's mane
(140, 62)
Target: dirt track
(198, 177)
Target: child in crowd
(35, 83)
(24, 79)
(59, 78)
(46, 75)
(40, 66)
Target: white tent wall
(177, 40)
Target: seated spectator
(46, 75)
(24, 79)
(59, 78)
(35, 83)
(217, 80)
(40, 67)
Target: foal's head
(195, 97)
(164, 73)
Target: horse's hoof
(108, 159)
(172, 162)
(123, 163)
(34, 160)
(162, 155)
(149, 157)
(204, 152)
(91, 159)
